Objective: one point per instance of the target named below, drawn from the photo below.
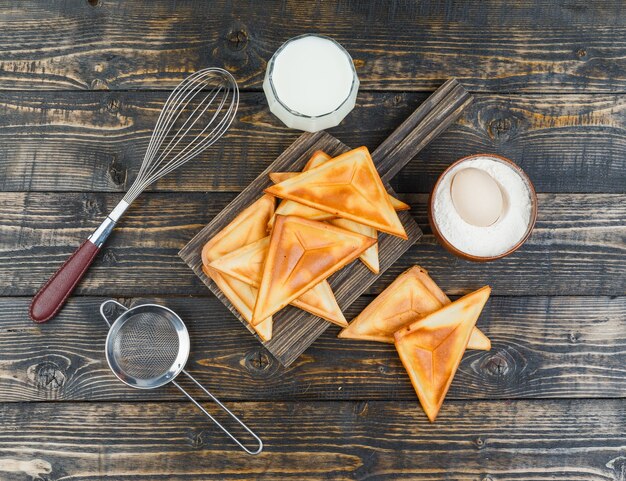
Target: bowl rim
(531, 224)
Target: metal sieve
(148, 346)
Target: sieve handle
(257, 451)
(104, 316)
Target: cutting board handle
(431, 118)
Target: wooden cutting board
(294, 329)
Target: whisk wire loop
(183, 130)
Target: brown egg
(476, 197)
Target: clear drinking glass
(289, 115)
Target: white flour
(508, 229)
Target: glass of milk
(311, 83)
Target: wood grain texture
(562, 347)
(433, 117)
(577, 247)
(294, 330)
(490, 46)
(503, 441)
(95, 141)
(75, 120)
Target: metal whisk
(196, 114)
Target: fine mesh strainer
(147, 347)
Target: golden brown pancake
(278, 177)
(302, 253)
(246, 265)
(431, 348)
(370, 256)
(243, 297)
(348, 186)
(412, 296)
(249, 226)
(289, 207)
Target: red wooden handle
(54, 293)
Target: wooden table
(81, 85)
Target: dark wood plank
(543, 347)
(95, 141)
(491, 45)
(294, 330)
(433, 117)
(507, 441)
(577, 247)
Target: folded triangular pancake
(431, 348)
(248, 226)
(302, 253)
(278, 177)
(243, 297)
(370, 256)
(318, 158)
(398, 205)
(246, 265)
(320, 301)
(407, 299)
(348, 186)
(288, 207)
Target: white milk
(312, 76)
(311, 83)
